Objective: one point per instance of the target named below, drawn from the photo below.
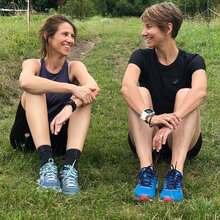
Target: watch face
(148, 111)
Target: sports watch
(147, 113)
(72, 103)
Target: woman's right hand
(85, 93)
(169, 120)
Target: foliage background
(115, 8)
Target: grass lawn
(107, 168)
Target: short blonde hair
(163, 13)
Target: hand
(85, 93)
(96, 91)
(160, 138)
(60, 119)
(168, 120)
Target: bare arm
(130, 89)
(195, 95)
(32, 83)
(79, 71)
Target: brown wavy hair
(163, 13)
(50, 27)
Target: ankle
(72, 156)
(45, 153)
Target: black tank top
(55, 100)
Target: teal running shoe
(68, 178)
(147, 182)
(48, 176)
(172, 190)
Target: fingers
(95, 91)
(170, 120)
(52, 126)
(173, 120)
(168, 124)
(93, 97)
(89, 99)
(55, 126)
(160, 138)
(87, 95)
(59, 121)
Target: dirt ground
(81, 48)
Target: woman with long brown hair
(53, 115)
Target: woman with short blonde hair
(163, 111)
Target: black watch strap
(72, 103)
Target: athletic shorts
(21, 139)
(166, 152)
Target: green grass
(107, 169)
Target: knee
(180, 95)
(86, 109)
(28, 97)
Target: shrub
(79, 9)
(123, 8)
(52, 11)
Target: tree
(43, 5)
(136, 7)
(105, 7)
(123, 8)
(13, 4)
(3, 3)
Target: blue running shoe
(172, 190)
(147, 181)
(48, 176)
(68, 178)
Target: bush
(52, 11)
(119, 8)
(43, 5)
(123, 8)
(136, 7)
(139, 7)
(79, 9)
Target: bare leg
(37, 118)
(141, 133)
(78, 127)
(77, 131)
(186, 136)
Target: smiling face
(162, 14)
(154, 35)
(62, 41)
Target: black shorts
(21, 138)
(166, 152)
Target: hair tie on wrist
(150, 121)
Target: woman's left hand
(60, 119)
(170, 120)
(160, 138)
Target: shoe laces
(173, 178)
(69, 175)
(147, 175)
(49, 171)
